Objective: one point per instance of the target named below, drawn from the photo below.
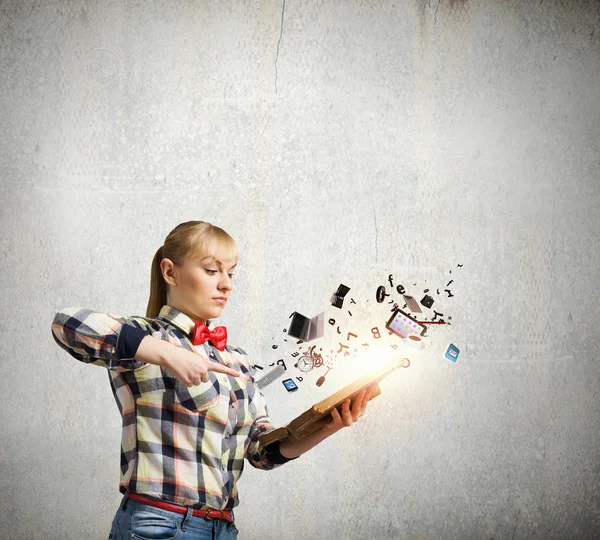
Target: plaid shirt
(185, 445)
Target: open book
(319, 414)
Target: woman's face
(200, 288)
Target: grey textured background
(337, 142)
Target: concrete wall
(338, 142)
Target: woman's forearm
(339, 419)
(292, 449)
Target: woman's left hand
(349, 415)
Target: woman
(190, 406)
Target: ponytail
(158, 287)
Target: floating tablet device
(404, 325)
(290, 385)
(306, 329)
(337, 299)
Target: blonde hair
(192, 239)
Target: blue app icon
(452, 352)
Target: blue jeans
(135, 520)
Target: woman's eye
(213, 272)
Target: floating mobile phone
(290, 385)
(404, 325)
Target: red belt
(208, 514)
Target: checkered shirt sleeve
(102, 339)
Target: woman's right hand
(187, 367)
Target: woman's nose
(225, 283)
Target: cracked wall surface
(337, 142)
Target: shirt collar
(178, 319)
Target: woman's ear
(168, 271)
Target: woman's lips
(220, 300)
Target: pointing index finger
(222, 369)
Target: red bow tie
(218, 337)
